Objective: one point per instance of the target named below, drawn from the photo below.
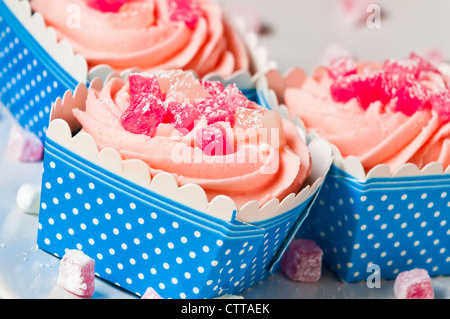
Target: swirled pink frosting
(258, 169)
(376, 132)
(141, 34)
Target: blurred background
(303, 33)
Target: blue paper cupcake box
(382, 225)
(140, 238)
(32, 78)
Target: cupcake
(149, 34)
(177, 184)
(384, 200)
(48, 47)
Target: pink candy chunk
(413, 284)
(302, 261)
(213, 140)
(440, 102)
(188, 11)
(144, 115)
(409, 98)
(214, 88)
(142, 83)
(106, 5)
(24, 145)
(76, 273)
(342, 66)
(181, 115)
(150, 293)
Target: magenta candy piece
(106, 5)
(413, 284)
(440, 102)
(302, 261)
(181, 115)
(76, 273)
(150, 293)
(213, 87)
(424, 65)
(142, 83)
(24, 145)
(213, 111)
(144, 115)
(342, 66)
(188, 11)
(213, 141)
(410, 97)
(232, 98)
(366, 87)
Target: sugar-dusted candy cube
(413, 284)
(76, 273)
(28, 198)
(150, 293)
(188, 11)
(213, 140)
(181, 115)
(302, 261)
(106, 5)
(342, 66)
(24, 145)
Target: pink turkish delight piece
(213, 111)
(143, 83)
(180, 86)
(181, 115)
(410, 97)
(247, 118)
(214, 88)
(106, 5)
(24, 145)
(213, 140)
(76, 273)
(150, 293)
(302, 261)
(440, 102)
(144, 115)
(188, 11)
(413, 284)
(232, 98)
(342, 66)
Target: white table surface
(299, 33)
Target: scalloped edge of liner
(60, 51)
(63, 123)
(76, 65)
(352, 165)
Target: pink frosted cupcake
(148, 34)
(391, 113)
(382, 206)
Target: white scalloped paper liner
(76, 65)
(63, 123)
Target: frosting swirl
(269, 161)
(391, 127)
(142, 34)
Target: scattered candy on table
(302, 261)
(413, 284)
(28, 198)
(24, 145)
(76, 273)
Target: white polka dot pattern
(397, 224)
(31, 80)
(139, 239)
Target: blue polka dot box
(379, 224)
(34, 68)
(144, 231)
